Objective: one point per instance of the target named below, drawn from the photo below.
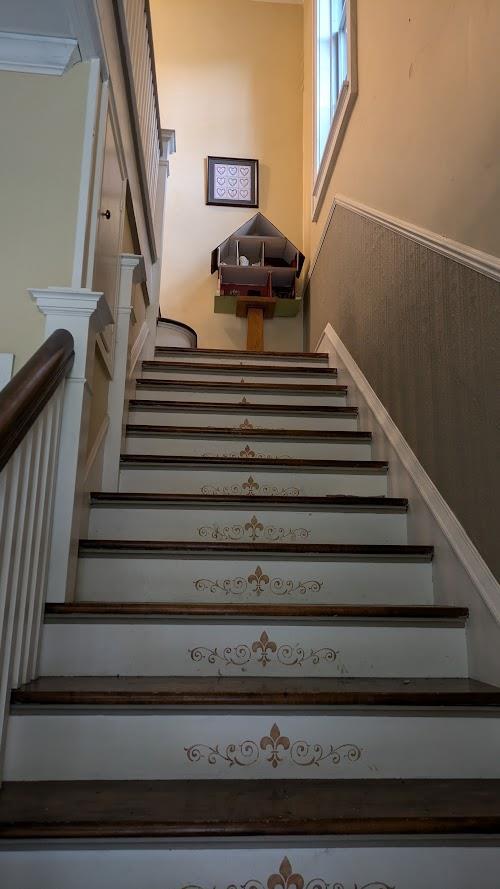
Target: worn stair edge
(330, 551)
(196, 809)
(179, 350)
(208, 367)
(334, 502)
(248, 691)
(385, 614)
(154, 430)
(228, 386)
(229, 408)
(277, 463)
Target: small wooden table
(255, 309)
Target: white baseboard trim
(484, 263)
(473, 563)
(36, 54)
(137, 347)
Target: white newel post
(132, 271)
(84, 313)
(168, 147)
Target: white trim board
(137, 348)
(461, 576)
(6, 368)
(96, 447)
(477, 260)
(345, 104)
(36, 54)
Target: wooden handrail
(23, 399)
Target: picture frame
(232, 182)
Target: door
(109, 233)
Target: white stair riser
(201, 745)
(251, 358)
(160, 649)
(231, 579)
(222, 480)
(252, 447)
(236, 419)
(220, 523)
(320, 865)
(239, 375)
(291, 397)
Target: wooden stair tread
(197, 808)
(341, 502)
(227, 407)
(136, 429)
(207, 366)
(180, 350)
(341, 551)
(155, 383)
(251, 691)
(257, 611)
(368, 466)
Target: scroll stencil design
(288, 878)
(253, 530)
(274, 748)
(265, 651)
(258, 584)
(251, 488)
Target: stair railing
(133, 19)
(30, 424)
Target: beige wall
(230, 82)
(41, 151)
(422, 143)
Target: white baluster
(40, 590)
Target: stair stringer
(460, 574)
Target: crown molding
(35, 54)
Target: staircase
(253, 662)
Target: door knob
(106, 213)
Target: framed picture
(233, 182)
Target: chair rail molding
(484, 263)
(463, 552)
(36, 54)
(84, 313)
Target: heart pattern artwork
(232, 182)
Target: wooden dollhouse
(257, 270)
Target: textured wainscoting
(425, 331)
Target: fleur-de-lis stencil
(275, 742)
(250, 486)
(264, 647)
(259, 579)
(247, 452)
(286, 878)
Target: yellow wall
(422, 143)
(230, 83)
(41, 151)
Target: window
(331, 65)
(335, 85)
